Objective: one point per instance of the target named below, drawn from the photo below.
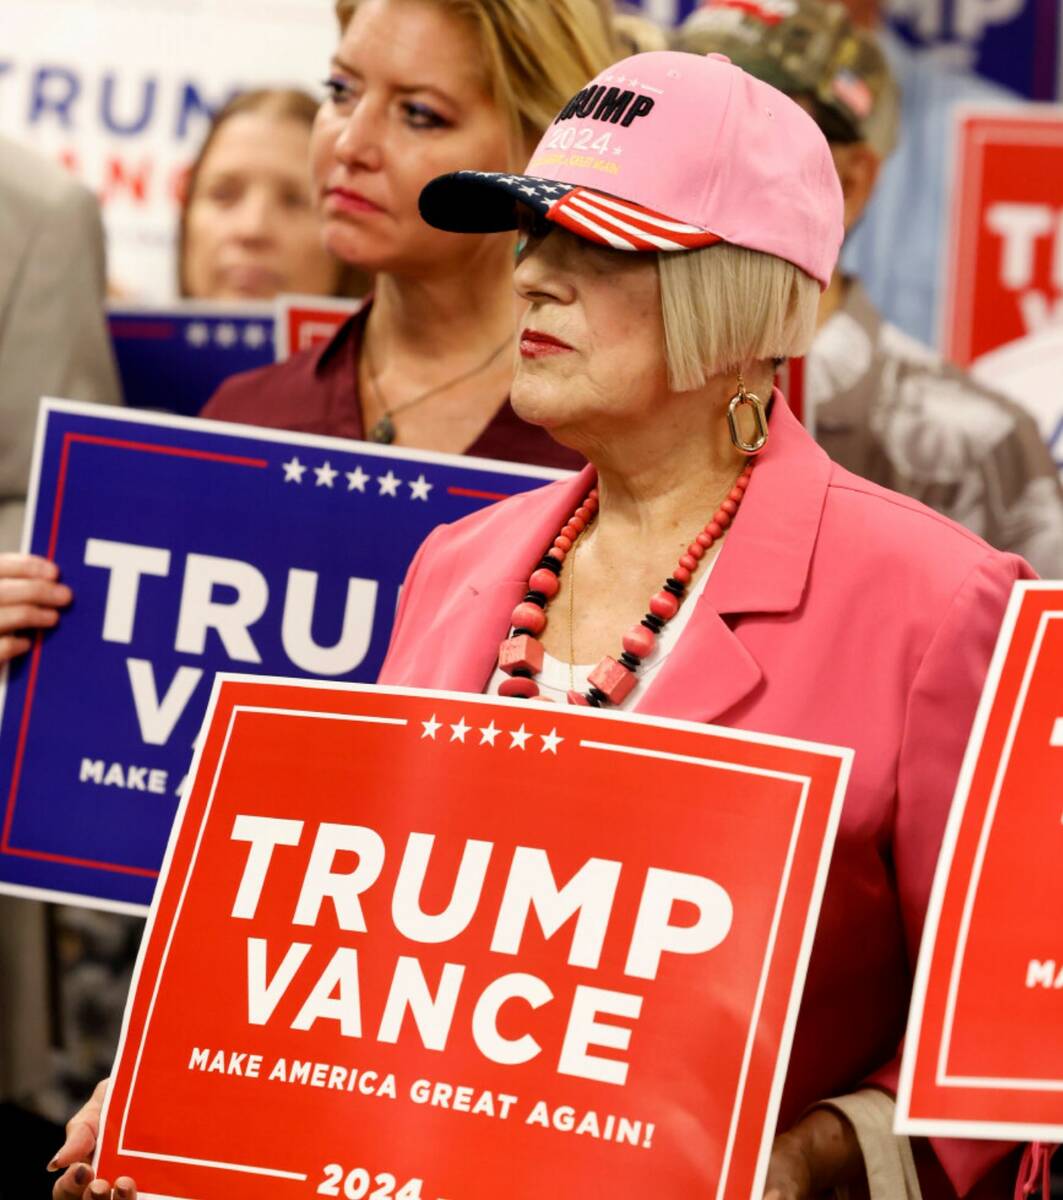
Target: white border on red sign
(844, 757)
(905, 1122)
(286, 301)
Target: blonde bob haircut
(537, 55)
(725, 308)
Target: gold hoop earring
(760, 421)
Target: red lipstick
(345, 200)
(534, 344)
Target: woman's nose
(359, 141)
(255, 216)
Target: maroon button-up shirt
(316, 391)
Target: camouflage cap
(810, 49)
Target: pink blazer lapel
(763, 568)
(708, 671)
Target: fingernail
(121, 1191)
(52, 1166)
(81, 1175)
(99, 1188)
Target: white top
(557, 677)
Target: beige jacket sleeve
(53, 331)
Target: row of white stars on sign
(518, 738)
(357, 480)
(226, 334)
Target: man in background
(897, 250)
(53, 333)
(885, 406)
(53, 341)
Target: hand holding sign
(30, 598)
(78, 1180)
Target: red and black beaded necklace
(520, 656)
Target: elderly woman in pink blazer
(781, 594)
(677, 223)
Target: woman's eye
(294, 201)
(531, 229)
(338, 90)
(420, 116)
(224, 193)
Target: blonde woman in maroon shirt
(415, 88)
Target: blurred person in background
(887, 407)
(53, 342)
(896, 249)
(418, 88)
(53, 335)
(636, 33)
(249, 227)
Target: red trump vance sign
(432, 946)
(984, 1051)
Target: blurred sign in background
(1004, 278)
(121, 92)
(1014, 43)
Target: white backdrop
(118, 90)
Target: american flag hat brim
(486, 202)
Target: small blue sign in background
(191, 548)
(175, 358)
(1014, 44)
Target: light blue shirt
(898, 249)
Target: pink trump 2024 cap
(668, 151)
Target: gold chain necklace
(383, 430)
